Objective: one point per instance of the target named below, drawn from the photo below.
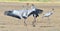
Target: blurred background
(29, 0)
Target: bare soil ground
(8, 23)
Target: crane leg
(25, 22)
(42, 17)
(33, 23)
(48, 20)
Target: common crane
(48, 14)
(25, 13)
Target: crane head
(53, 9)
(27, 3)
(32, 4)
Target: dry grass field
(8, 23)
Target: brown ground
(8, 23)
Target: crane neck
(52, 10)
(33, 8)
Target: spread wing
(10, 13)
(36, 12)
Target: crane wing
(48, 14)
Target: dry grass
(8, 23)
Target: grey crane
(25, 13)
(48, 14)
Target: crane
(25, 13)
(48, 14)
